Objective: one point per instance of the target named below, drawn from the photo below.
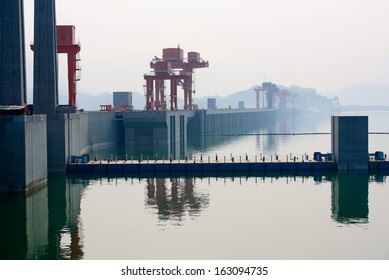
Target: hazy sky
(321, 44)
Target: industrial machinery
(317, 156)
(275, 98)
(378, 155)
(66, 43)
(179, 71)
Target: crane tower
(179, 71)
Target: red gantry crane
(275, 98)
(66, 44)
(179, 71)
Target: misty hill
(305, 98)
(232, 100)
(363, 95)
(92, 103)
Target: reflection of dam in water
(46, 224)
(350, 198)
(43, 224)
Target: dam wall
(76, 134)
(224, 122)
(166, 133)
(214, 127)
(156, 133)
(23, 154)
(99, 130)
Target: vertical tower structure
(12, 53)
(66, 44)
(45, 58)
(350, 142)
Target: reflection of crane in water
(181, 200)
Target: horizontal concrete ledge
(182, 166)
(22, 188)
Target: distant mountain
(232, 100)
(309, 99)
(305, 98)
(92, 103)
(363, 95)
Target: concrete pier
(23, 142)
(45, 58)
(12, 53)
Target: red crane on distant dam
(275, 97)
(179, 71)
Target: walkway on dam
(150, 166)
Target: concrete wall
(213, 127)
(350, 141)
(166, 132)
(101, 127)
(23, 154)
(146, 133)
(76, 134)
(235, 121)
(58, 142)
(35, 155)
(178, 132)
(63, 137)
(161, 133)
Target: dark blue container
(317, 156)
(379, 155)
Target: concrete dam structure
(59, 136)
(147, 133)
(39, 139)
(23, 156)
(349, 147)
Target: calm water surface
(208, 216)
